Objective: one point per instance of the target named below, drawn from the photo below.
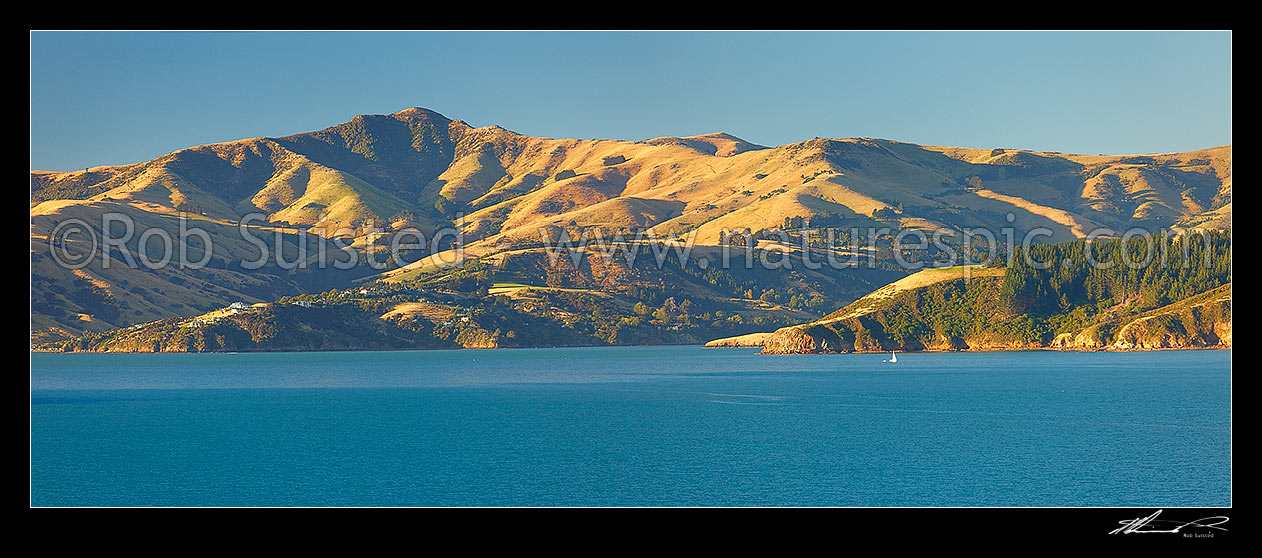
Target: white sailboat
(893, 358)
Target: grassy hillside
(417, 168)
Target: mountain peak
(714, 135)
(419, 113)
(719, 144)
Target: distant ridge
(419, 168)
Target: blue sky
(112, 98)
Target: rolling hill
(363, 181)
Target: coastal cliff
(1200, 321)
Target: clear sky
(101, 98)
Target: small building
(238, 306)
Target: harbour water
(631, 426)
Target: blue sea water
(631, 426)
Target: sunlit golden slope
(518, 185)
(504, 184)
(421, 168)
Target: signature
(1151, 524)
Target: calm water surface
(640, 426)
